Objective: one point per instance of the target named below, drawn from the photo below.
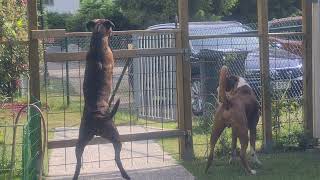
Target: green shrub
(94, 10)
(56, 20)
(13, 53)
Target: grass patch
(6, 133)
(287, 133)
(288, 139)
(281, 166)
(60, 114)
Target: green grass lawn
(282, 166)
(60, 115)
(294, 165)
(6, 137)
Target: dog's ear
(90, 25)
(114, 109)
(223, 75)
(231, 82)
(109, 24)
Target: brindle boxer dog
(239, 109)
(96, 119)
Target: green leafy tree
(93, 9)
(284, 8)
(13, 54)
(211, 10)
(145, 13)
(56, 20)
(139, 14)
(246, 10)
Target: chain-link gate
(148, 88)
(146, 62)
(25, 144)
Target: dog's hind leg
(253, 135)
(244, 139)
(117, 149)
(84, 138)
(217, 129)
(113, 135)
(233, 148)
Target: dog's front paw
(254, 159)
(253, 172)
(126, 176)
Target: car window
(235, 43)
(201, 30)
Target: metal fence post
(183, 84)
(67, 75)
(307, 67)
(35, 125)
(265, 74)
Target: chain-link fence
(289, 24)
(20, 141)
(148, 88)
(287, 89)
(237, 46)
(147, 91)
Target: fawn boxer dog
(97, 85)
(239, 109)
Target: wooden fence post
(264, 72)
(184, 112)
(33, 51)
(35, 123)
(307, 67)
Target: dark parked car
(241, 54)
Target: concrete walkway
(143, 160)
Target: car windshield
(222, 44)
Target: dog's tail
(115, 109)
(222, 84)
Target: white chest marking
(242, 82)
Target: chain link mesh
(147, 92)
(236, 45)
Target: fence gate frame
(122, 53)
(181, 51)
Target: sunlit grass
(278, 166)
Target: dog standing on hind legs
(239, 109)
(97, 85)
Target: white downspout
(316, 68)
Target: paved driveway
(144, 160)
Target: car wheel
(196, 99)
